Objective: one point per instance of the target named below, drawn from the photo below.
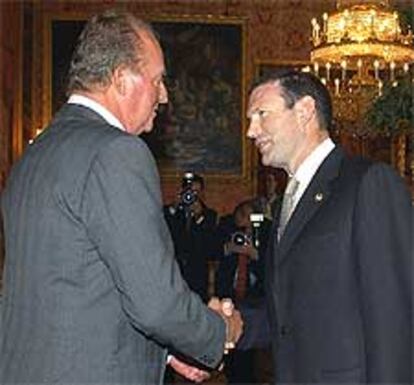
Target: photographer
(193, 229)
(237, 243)
(240, 276)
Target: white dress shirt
(98, 108)
(310, 165)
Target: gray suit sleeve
(123, 214)
(383, 236)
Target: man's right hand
(232, 318)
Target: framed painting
(201, 128)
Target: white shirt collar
(98, 108)
(310, 165)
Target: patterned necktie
(288, 204)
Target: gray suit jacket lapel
(313, 198)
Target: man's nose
(253, 128)
(163, 94)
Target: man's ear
(119, 79)
(123, 79)
(306, 109)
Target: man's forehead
(265, 94)
(151, 47)
(270, 89)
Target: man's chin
(268, 161)
(149, 124)
(148, 127)
(265, 160)
(143, 128)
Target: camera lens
(240, 239)
(188, 197)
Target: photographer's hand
(249, 250)
(197, 211)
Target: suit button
(285, 330)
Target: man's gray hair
(108, 40)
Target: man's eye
(262, 113)
(169, 82)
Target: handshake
(234, 329)
(232, 318)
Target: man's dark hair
(195, 178)
(108, 40)
(295, 85)
(247, 203)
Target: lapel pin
(318, 197)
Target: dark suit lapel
(317, 193)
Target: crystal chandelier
(362, 43)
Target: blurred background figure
(240, 271)
(193, 227)
(240, 276)
(270, 200)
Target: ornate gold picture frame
(202, 127)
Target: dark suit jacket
(92, 293)
(339, 283)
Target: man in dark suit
(339, 267)
(193, 229)
(92, 293)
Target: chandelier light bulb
(359, 65)
(343, 66)
(337, 83)
(376, 69)
(380, 87)
(328, 71)
(392, 71)
(316, 68)
(325, 24)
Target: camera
(188, 195)
(240, 239)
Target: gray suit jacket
(339, 283)
(92, 293)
